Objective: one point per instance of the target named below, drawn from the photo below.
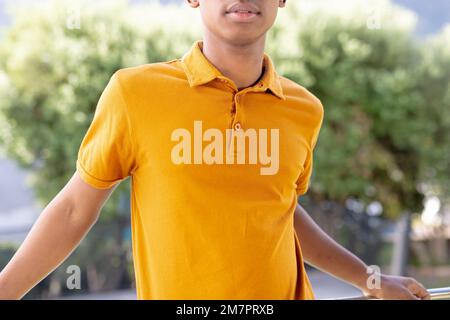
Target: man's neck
(242, 64)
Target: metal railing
(435, 293)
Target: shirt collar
(200, 71)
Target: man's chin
(242, 38)
(240, 41)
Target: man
(219, 147)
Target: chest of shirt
(210, 134)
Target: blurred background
(381, 181)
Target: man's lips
(243, 12)
(243, 8)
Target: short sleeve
(303, 180)
(106, 155)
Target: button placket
(237, 115)
(236, 123)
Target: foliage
(53, 77)
(385, 132)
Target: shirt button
(237, 126)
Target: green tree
(435, 87)
(384, 129)
(52, 77)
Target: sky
(433, 14)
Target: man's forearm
(321, 251)
(53, 237)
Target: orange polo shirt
(205, 226)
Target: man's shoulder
(150, 73)
(299, 94)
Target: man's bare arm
(55, 234)
(321, 251)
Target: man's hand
(398, 288)
(327, 255)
